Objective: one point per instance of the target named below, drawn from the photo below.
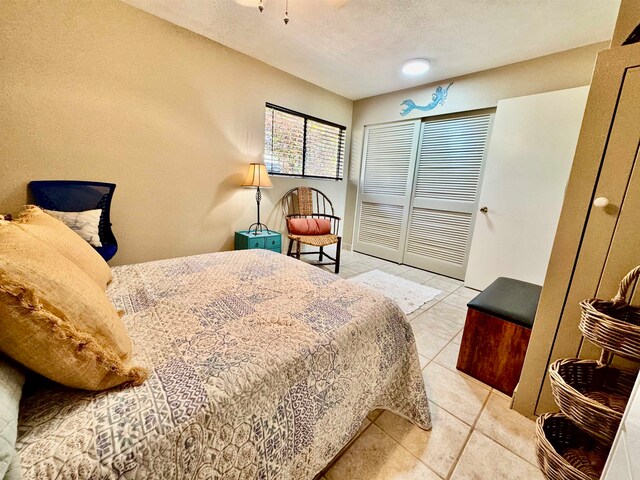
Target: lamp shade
(257, 176)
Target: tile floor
(475, 434)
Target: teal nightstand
(265, 241)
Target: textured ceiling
(356, 48)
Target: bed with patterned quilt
(260, 367)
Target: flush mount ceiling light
(416, 66)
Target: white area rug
(407, 294)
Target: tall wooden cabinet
(595, 246)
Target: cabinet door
(610, 245)
(607, 147)
(384, 192)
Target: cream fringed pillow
(57, 235)
(56, 321)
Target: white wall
(531, 150)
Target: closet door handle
(484, 209)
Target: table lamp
(257, 177)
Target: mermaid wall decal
(437, 98)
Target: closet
(418, 191)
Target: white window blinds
(298, 145)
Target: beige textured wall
(572, 68)
(98, 90)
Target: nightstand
(265, 241)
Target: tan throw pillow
(57, 235)
(56, 321)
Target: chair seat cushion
(56, 321)
(309, 226)
(315, 240)
(61, 238)
(512, 300)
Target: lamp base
(258, 228)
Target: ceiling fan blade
(248, 3)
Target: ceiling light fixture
(416, 66)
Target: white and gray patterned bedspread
(261, 367)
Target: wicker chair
(307, 202)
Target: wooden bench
(496, 333)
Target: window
(298, 145)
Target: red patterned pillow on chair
(309, 226)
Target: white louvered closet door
(384, 193)
(447, 180)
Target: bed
(260, 367)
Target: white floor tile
(429, 344)
(459, 395)
(444, 283)
(449, 312)
(393, 268)
(423, 361)
(508, 428)
(417, 275)
(448, 356)
(466, 292)
(435, 324)
(377, 456)
(484, 459)
(438, 448)
(456, 300)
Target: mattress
(261, 367)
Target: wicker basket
(565, 452)
(613, 324)
(593, 395)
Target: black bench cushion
(512, 300)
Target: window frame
(307, 118)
